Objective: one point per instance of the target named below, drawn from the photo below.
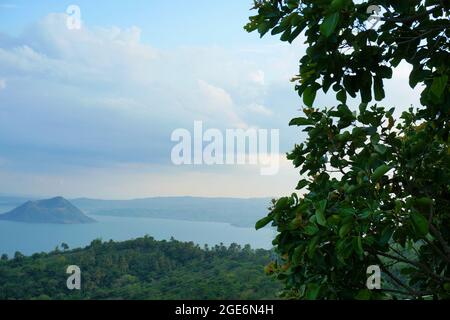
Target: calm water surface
(31, 238)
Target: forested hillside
(141, 269)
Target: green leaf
(263, 222)
(301, 184)
(345, 229)
(282, 203)
(296, 32)
(338, 4)
(378, 89)
(385, 72)
(420, 222)
(386, 235)
(343, 137)
(312, 291)
(381, 149)
(286, 35)
(309, 95)
(375, 139)
(342, 96)
(311, 229)
(313, 245)
(424, 201)
(329, 24)
(439, 85)
(417, 75)
(278, 29)
(379, 172)
(357, 245)
(301, 122)
(344, 249)
(295, 19)
(320, 212)
(263, 27)
(365, 86)
(297, 255)
(363, 294)
(321, 218)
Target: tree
(142, 268)
(18, 255)
(375, 189)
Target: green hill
(141, 269)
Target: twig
(444, 244)
(436, 248)
(410, 18)
(436, 232)
(399, 282)
(419, 266)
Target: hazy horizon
(39, 197)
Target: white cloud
(143, 180)
(113, 66)
(260, 109)
(88, 97)
(100, 97)
(215, 95)
(219, 102)
(257, 77)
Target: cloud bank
(99, 103)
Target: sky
(89, 112)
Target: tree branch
(412, 292)
(437, 234)
(408, 19)
(419, 266)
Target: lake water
(32, 238)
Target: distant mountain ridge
(55, 210)
(240, 212)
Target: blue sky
(90, 112)
(165, 23)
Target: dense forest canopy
(140, 269)
(375, 188)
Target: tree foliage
(141, 269)
(375, 188)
